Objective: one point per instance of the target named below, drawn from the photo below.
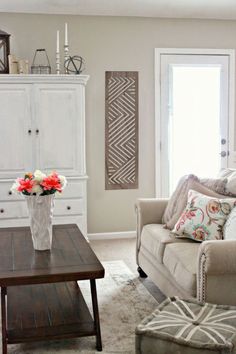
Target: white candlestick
(58, 54)
(58, 63)
(58, 41)
(66, 47)
(66, 34)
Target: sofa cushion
(155, 237)
(181, 261)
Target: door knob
(223, 153)
(223, 141)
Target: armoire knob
(68, 208)
(37, 131)
(10, 192)
(1, 210)
(29, 131)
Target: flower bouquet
(39, 190)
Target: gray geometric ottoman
(187, 327)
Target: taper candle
(66, 34)
(58, 41)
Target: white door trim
(157, 62)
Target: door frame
(231, 101)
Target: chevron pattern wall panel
(121, 129)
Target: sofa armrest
(148, 211)
(217, 268)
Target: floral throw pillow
(204, 217)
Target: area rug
(123, 303)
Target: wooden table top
(71, 257)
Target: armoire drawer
(13, 210)
(68, 207)
(6, 194)
(74, 189)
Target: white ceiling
(211, 9)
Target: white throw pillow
(230, 174)
(229, 230)
(226, 172)
(231, 184)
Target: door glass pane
(194, 130)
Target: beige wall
(115, 43)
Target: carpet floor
(123, 302)
(111, 250)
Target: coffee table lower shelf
(47, 312)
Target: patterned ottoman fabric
(188, 327)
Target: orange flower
(29, 175)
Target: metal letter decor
(121, 130)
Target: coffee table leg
(96, 315)
(4, 320)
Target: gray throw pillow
(178, 200)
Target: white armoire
(42, 126)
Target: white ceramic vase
(40, 214)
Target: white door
(15, 131)
(59, 128)
(194, 116)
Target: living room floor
(124, 249)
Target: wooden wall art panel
(121, 130)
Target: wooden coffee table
(44, 301)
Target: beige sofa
(206, 271)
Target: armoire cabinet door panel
(16, 130)
(59, 128)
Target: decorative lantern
(41, 63)
(4, 52)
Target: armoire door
(59, 127)
(15, 130)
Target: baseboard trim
(112, 235)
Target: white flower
(14, 188)
(63, 181)
(37, 189)
(39, 176)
